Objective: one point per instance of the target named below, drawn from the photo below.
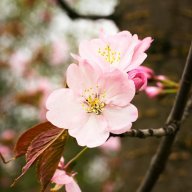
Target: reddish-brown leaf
(39, 144)
(25, 139)
(48, 162)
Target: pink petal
(120, 119)
(63, 108)
(74, 78)
(139, 77)
(144, 44)
(89, 50)
(93, 133)
(72, 187)
(128, 54)
(119, 90)
(139, 55)
(82, 76)
(61, 178)
(136, 61)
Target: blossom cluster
(100, 89)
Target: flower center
(109, 55)
(93, 102)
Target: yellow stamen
(93, 103)
(109, 55)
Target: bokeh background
(36, 39)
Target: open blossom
(122, 50)
(139, 78)
(94, 105)
(61, 178)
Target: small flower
(153, 91)
(61, 178)
(139, 78)
(94, 105)
(122, 50)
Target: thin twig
(75, 15)
(158, 132)
(158, 162)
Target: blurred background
(36, 39)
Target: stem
(159, 160)
(76, 157)
(169, 91)
(169, 83)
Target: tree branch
(188, 108)
(74, 15)
(158, 162)
(143, 133)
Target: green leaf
(26, 138)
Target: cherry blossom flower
(139, 77)
(122, 50)
(94, 105)
(61, 178)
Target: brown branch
(75, 15)
(143, 133)
(158, 162)
(188, 109)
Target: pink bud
(153, 91)
(148, 71)
(161, 77)
(139, 77)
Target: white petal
(72, 187)
(63, 108)
(93, 133)
(61, 178)
(120, 119)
